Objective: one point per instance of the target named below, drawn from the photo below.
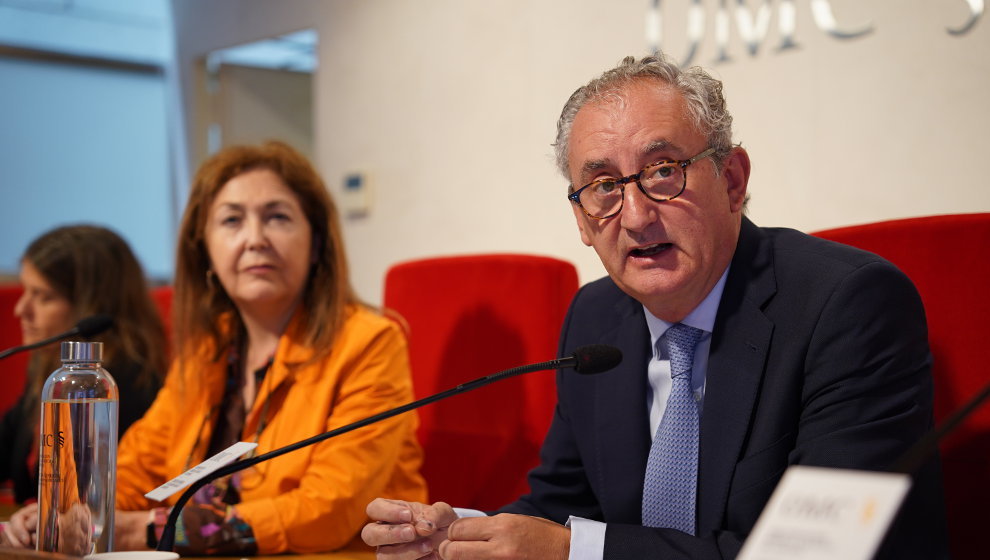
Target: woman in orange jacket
(272, 347)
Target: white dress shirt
(587, 536)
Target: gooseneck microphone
(922, 450)
(591, 359)
(86, 327)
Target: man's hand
(407, 530)
(506, 536)
(21, 531)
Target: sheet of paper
(225, 457)
(822, 514)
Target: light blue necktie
(672, 470)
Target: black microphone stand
(10, 351)
(87, 327)
(918, 453)
(167, 540)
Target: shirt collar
(701, 317)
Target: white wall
(450, 106)
(202, 27)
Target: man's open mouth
(650, 250)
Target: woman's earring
(211, 283)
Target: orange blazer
(312, 499)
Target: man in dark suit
(802, 352)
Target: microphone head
(93, 325)
(596, 358)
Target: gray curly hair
(702, 92)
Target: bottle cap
(73, 351)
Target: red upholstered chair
(162, 296)
(948, 258)
(467, 317)
(12, 368)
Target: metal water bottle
(77, 454)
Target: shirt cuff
(465, 512)
(587, 539)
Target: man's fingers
(436, 517)
(407, 530)
(382, 534)
(465, 550)
(505, 536)
(390, 511)
(468, 538)
(420, 550)
(473, 529)
(426, 519)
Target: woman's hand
(75, 531)
(130, 530)
(21, 531)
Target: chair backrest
(948, 259)
(13, 367)
(470, 316)
(162, 296)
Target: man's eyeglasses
(661, 181)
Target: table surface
(20, 554)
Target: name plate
(823, 514)
(225, 457)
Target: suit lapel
(622, 430)
(740, 344)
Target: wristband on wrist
(156, 525)
(152, 540)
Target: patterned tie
(672, 470)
